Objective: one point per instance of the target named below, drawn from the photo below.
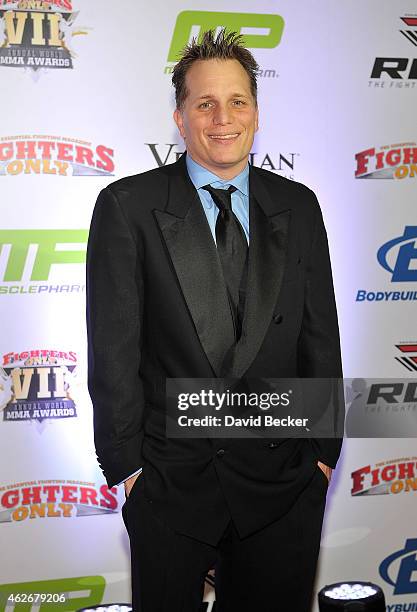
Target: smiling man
(217, 114)
(210, 268)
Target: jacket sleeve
(319, 354)
(114, 288)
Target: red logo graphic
(397, 161)
(55, 499)
(409, 355)
(396, 476)
(59, 156)
(410, 35)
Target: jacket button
(220, 452)
(273, 444)
(277, 319)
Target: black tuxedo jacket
(157, 308)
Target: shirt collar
(200, 176)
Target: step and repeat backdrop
(87, 99)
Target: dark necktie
(232, 247)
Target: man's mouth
(224, 136)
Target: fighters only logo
(386, 477)
(54, 155)
(55, 499)
(396, 161)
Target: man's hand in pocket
(129, 483)
(326, 469)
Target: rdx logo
(403, 267)
(395, 68)
(393, 393)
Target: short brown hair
(226, 45)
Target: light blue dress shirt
(200, 176)
(240, 198)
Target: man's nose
(223, 115)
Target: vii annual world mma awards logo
(38, 34)
(38, 384)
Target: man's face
(219, 117)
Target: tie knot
(221, 197)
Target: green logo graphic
(187, 21)
(64, 594)
(52, 248)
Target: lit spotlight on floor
(352, 596)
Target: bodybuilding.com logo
(401, 268)
(259, 31)
(398, 568)
(398, 256)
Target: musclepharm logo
(403, 268)
(260, 31)
(31, 255)
(58, 594)
(52, 248)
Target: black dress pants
(272, 570)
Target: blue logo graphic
(403, 585)
(403, 269)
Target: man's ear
(257, 120)
(179, 121)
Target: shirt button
(220, 452)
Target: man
(187, 281)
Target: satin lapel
(268, 227)
(197, 266)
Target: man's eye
(238, 102)
(204, 105)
